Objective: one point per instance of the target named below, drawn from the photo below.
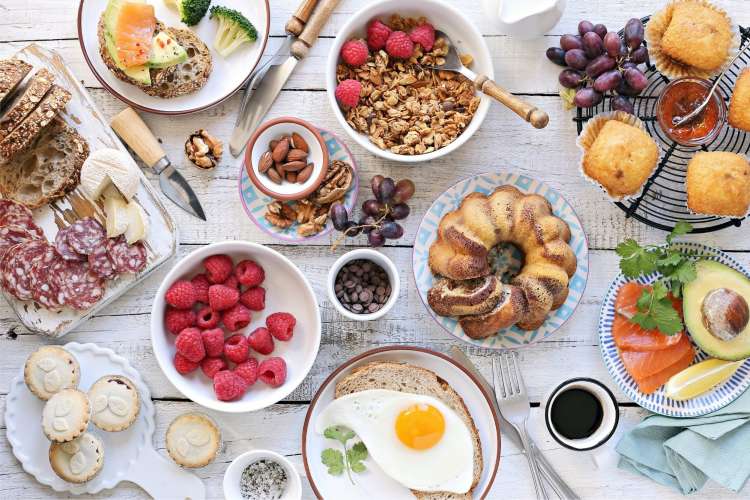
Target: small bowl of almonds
(286, 158)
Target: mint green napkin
(685, 452)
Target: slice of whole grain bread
(408, 378)
(12, 73)
(21, 107)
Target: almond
(280, 151)
(299, 143)
(294, 166)
(272, 144)
(279, 168)
(305, 173)
(296, 155)
(274, 175)
(265, 162)
(291, 176)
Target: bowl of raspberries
(235, 326)
(383, 91)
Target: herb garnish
(350, 460)
(655, 308)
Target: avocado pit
(725, 313)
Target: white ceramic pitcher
(524, 19)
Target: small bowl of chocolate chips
(363, 284)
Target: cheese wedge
(105, 166)
(137, 223)
(116, 209)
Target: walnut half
(203, 149)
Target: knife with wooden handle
(299, 19)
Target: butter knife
(551, 476)
(136, 134)
(266, 86)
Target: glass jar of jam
(681, 97)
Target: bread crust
(12, 73)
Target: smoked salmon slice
(650, 384)
(134, 32)
(631, 337)
(642, 364)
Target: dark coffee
(576, 414)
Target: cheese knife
(136, 134)
(266, 85)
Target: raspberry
(261, 341)
(236, 318)
(183, 365)
(181, 295)
(200, 283)
(213, 342)
(228, 385)
(211, 366)
(250, 273)
(281, 325)
(208, 318)
(176, 320)
(347, 93)
(254, 298)
(232, 282)
(355, 53)
(236, 348)
(248, 371)
(272, 371)
(377, 35)
(424, 35)
(221, 297)
(189, 343)
(218, 268)
(399, 45)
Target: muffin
(66, 415)
(50, 369)
(621, 159)
(718, 183)
(79, 460)
(114, 403)
(739, 106)
(698, 36)
(193, 440)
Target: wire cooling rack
(663, 202)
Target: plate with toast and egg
(401, 422)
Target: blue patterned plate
(658, 402)
(254, 202)
(510, 258)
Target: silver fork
(514, 406)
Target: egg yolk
(420, 426)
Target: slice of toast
(12, 73)
(49, 170)
(174, 81)
(22, 138)
(403, 377)
(32, 95)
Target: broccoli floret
(191, 11)
(234, 30)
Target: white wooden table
(503, 143)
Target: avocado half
(726, 289)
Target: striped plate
(658, 402)
(509, 257)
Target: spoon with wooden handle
(531, 114)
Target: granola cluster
(405, 107)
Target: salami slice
(80, 288)
(126, 258)
(17, 268)
(44, 289)
(64, 248)
(13, 235)
(11, 209)
(100, 263)
(86, 235)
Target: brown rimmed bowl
(375, 484)
(275, 129)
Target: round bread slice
(408, 378)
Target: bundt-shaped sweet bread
(466, 236)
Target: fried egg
(417, 440)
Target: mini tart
(66, 415)
(739, 106)
(718, 184)
(79, 460)
(193, 440)
(50, 369)
(114, 403)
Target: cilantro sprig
(351, 460)
(655, 308)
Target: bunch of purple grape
(379, 215)
(598, 62)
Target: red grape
(612, 44)
(404, 190)
(400, 211)
(600, 30)
(392, 230)
(592, 45)
(570, 78)
(636, 79)
(584, 27)
(634, 33)
(600, 65)
(621, 103)
(570, 42)
(339, 216)
(576, 59)
(372, 207)
(556, 55)
(375, 183)
(351, 228)
(386, 190)
(609, 80)
(625, 89)
(639, 55)
(375, 239)
(587, 98)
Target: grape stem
(345, 232)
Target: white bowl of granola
(391, 123)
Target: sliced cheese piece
(137, 223)
(116, 209)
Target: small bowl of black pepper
(363, 285)
(261, 475)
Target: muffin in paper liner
(591, 131)
(706, 213)
(672, 69)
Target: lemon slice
(699, 378)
